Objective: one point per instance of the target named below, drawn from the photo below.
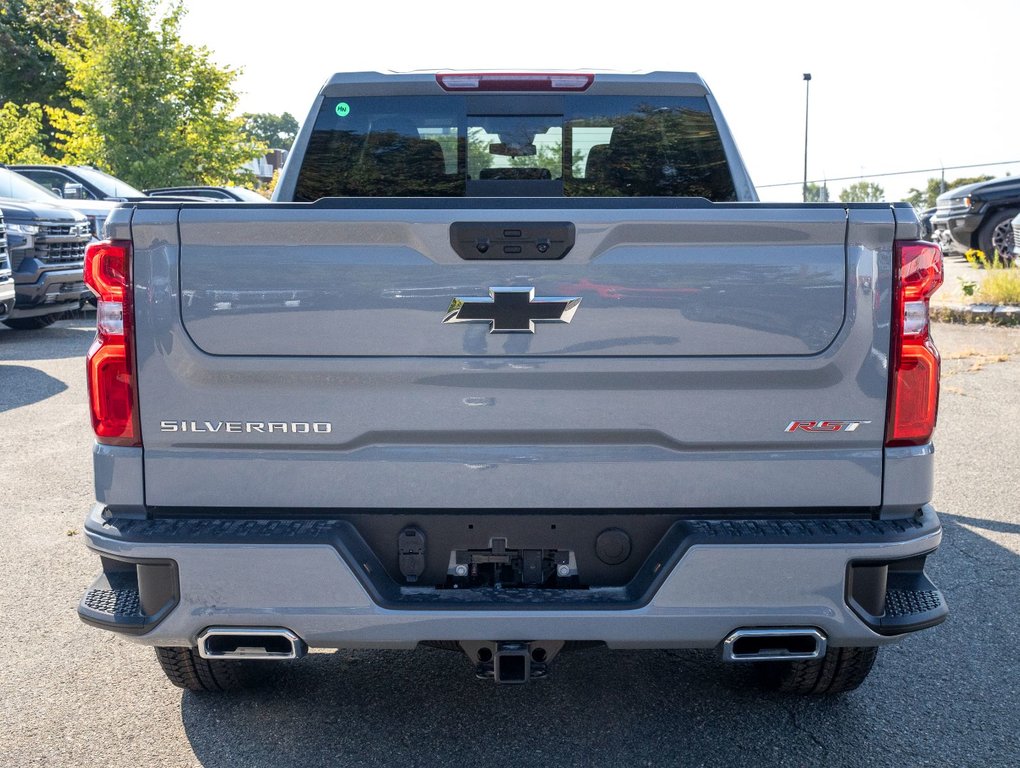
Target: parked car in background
(234, 194)
(17, 187)
(978, 216)
(924, 219)
(46, 245)
(6, 277)
(79, 182)
(1016, 237)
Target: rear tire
(996, 236)
(31, 323)
(838, 671)
(186, 669)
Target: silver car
(16, 187)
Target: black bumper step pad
(113, 599)
(903, 602)
(130, 597)
(113, 602)
(910, 603)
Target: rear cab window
(515, 145)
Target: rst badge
(829, 425)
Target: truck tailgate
(701, 334)
(745, 281)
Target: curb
(987, 314)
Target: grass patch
(964, 316)
(1000, 286)
(1000, 283)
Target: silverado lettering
(298, 427)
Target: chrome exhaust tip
(774, 645)
(250, 643)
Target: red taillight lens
(920, 269)
(913, 360)
(106, 269)
(113, 396)
(514, 81)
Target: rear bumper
(308, 576)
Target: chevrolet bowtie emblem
(512, 310)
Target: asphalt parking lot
(75, 696)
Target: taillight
(113, 394)
(913, 360)
(514, 81)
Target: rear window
(592, 146)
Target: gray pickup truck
(513, 365)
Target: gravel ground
(957, 269)
(75, 696)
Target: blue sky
(896, 85)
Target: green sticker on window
(343, 109)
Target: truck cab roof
(591, 81)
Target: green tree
(29, 69)
(478, 155)
(817, 194)
(145, 105)
(655, 151)
(922, 199)
(862, 192)
(30, 74)
(22, 136)
(547, 156)
(275, 131)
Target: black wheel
(996, 235)
(186, 669)
(840, 670)
(31, 323)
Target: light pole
(807, 101)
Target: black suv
(978, 216)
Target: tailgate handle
(495, 240)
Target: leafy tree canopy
(22, 139)
(146, 106)
(862, 192)
(29, 69)
(922, 199)
(816, 193)
(275, 131)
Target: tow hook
(512, 663)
